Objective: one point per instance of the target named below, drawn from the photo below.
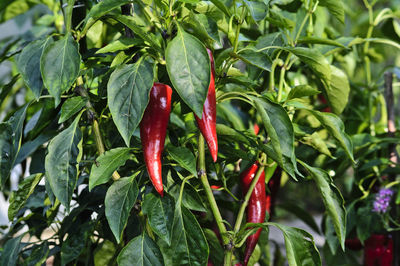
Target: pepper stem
(210, 197)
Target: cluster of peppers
(153, 127)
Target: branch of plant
(202, 173)
(93, 116)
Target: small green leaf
(38, 256)
(318, 40)
(18, 198)
(122, 43)
(102, 8)
(59, 65)
(333, 200)
(190, 198)
(62, 162)
(315, 141)
(75, 243)
(140, 251)
(160, 212)
(258, 59)
(220, 5)
(106, 164)
(335, 127)
(300, 246)
(302, 91)
(258, 10)
(6, 152)
(335, 7)
(29, 65)
(188, 67)
(120, 198)
(128, 92)
(6, 89)
(11, 248)
(184, 157)
(188, 243)
(279, 127)
(224, 131)
(217, 251)
(10, 141)
(338, 91)
(70, 107)
(316, 61)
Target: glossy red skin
(256, 207)
(378, 251)
(207, 123)
(353, 243)
(153, 129)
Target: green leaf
(70, 107)
(106, 164)
(122, 43)
(104, 254)
(224, 131)
(335, 127)
(73, 246)
(5, 90)
(221, 6)
(270, 39)
(140, 251)
(10, 141)
(64, 153)
(318, 40)
(335, 7)
(19, 197)
(29, 65)
(184, 157)
(120, 198)
(188, 243)
(300, 246)
(258, 10)
(217, 252)
(6, 152)
(333, 200)
(59, 64)
(338, 91)
(302, 91)
(190, 197)
(258, 59)
(279, 127)
(316, 61)
(300, 213)
(160, 212)
(38, 256)
(315, 141)
(188, 67)
(209, 25)
(144, 34)
(11, 248)
(101, 9)
(128, 92)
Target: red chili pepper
(153, 129)
(353, 243)
(208, 121)
(256, 207)
(378, 250)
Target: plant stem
(210, 197)
(92, 115)
(366, 45)
(282, 78)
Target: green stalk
(246, 199)
(210, 197)
(96, 128)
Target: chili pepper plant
(129, 127)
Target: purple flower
(382, 200)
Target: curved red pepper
(208, 121)
(256, 207)
(378, 250)
(153, 129)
